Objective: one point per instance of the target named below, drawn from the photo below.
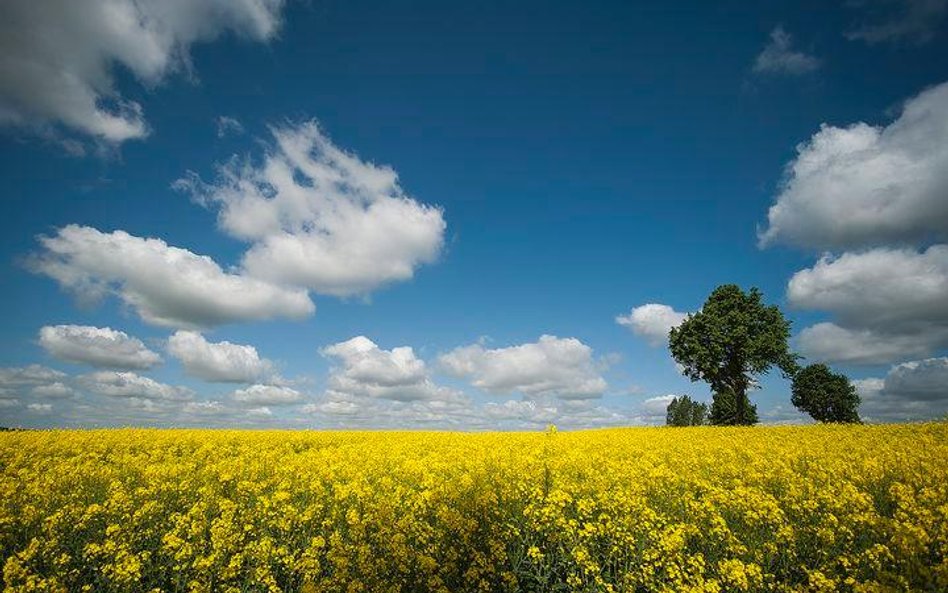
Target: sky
(460, 216)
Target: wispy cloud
(779, 56)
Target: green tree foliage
(825, 395)
(734, 338)
(684, 411)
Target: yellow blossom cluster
(860, 509)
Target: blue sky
(558, 165)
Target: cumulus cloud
(367, 371)
(913, 390)
(319, 217)
(864, 185)
(552, 366)
(889, 303)
(890, 287)
(779, 57)
(40, 408)
(130, 385)
(58, 57)
(217, 361)
(166, 285)
(913, 21)
(96, 346)
(652, 321)
(267, 395)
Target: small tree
(825, 395)
(684, 411)
(734, 338)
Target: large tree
(684, 411)
(732, 340)
(825, 395)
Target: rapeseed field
(806, 508)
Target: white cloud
(166, 285)
(56, 390)
(228, 126)
(367, 371)
(58, 57)
(884, 287)
(267, 395)
(865, 185)
(319, 217)
(915, 21)
(130, 385)
(652, 321)
(33, 374)
(889, 304)
(96, 346)
(910, 391)
(220, 361)
(558, 367)
(40, 408)
(779, 57)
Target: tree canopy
(733, 339)
(684, 411)
(825, 395)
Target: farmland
(711, 509)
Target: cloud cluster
(267, 395)
(877, 194)
(779, 57)
(889, 288)
(315, 217)
(33, 374)
(889, 304)
(366, 371)
(652, 321)
(217, 361)
(97, 346)
(910, 391)
(131, 385)
(33, 380)
(864, 186)
(550, 367)
(58, 57)
(57, 390)
(319, 217)
(165, 285)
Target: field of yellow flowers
(814, 508)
